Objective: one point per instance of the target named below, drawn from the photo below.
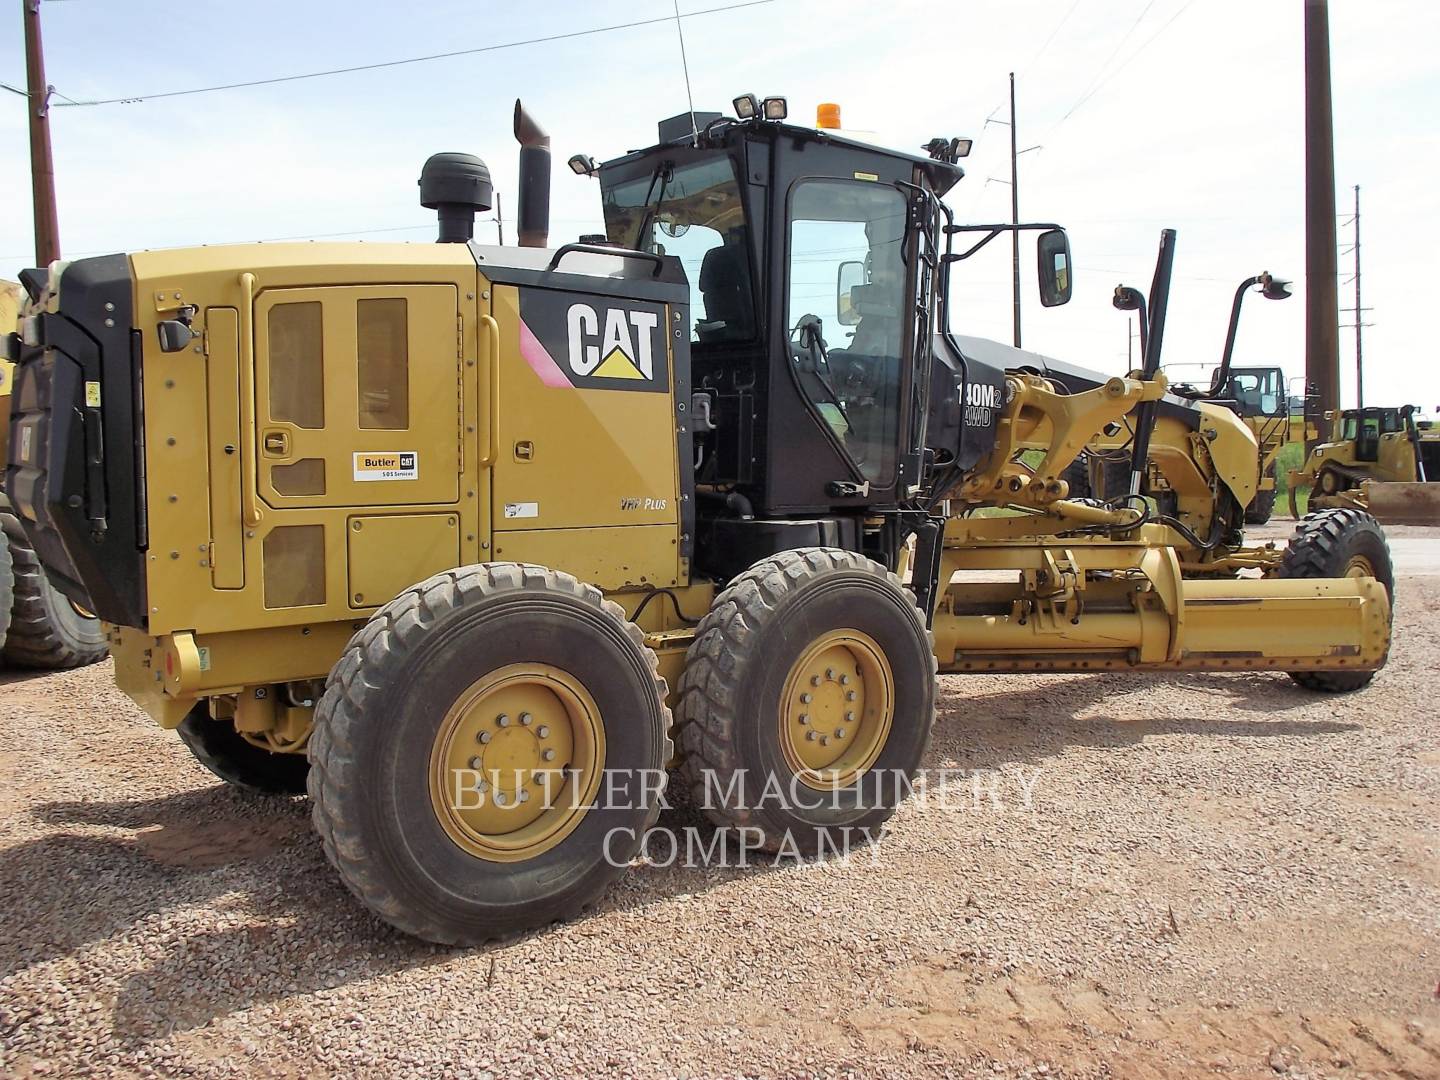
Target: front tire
(514, 673)
(813, 675)
(1336, 543)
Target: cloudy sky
(1149, 113)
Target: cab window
(693, 212)
(847, 308)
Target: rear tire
(1262, 506)
(1339, 542)
(748, 681)
(1077, 475)
(441, 673)
(46, 630)
(7, 590)
(240, 763)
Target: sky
(1147, 114)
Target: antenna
(685, 66)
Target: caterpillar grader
(1256, 394)
(472, 543)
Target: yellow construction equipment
(473, 542)
(1383, 460)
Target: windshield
(1258, 391)
(694, 212)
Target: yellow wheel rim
(837, 709)
(1359, 566)
(516, 762)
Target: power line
(1095, 79)
(1129, 59)
(134, 98)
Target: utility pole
(1322, 314)
(1014, 183)
(42, 164)
(1359, 309)
(1014, 214)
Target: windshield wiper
(663, 174)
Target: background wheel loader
(1379, 459)
(478, 541)
(40, 627)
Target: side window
(382, 357)
(297, 365)
(848, 309)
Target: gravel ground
(1213, 875)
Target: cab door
(357, 396)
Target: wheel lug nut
(499, 798)
(483, 737)
(849, 695)
(839, 733)
(824, 740)
(548, 755)
(524, 795)
(475, 763)
(844, 680)
(526, 719)
(850, 716)
(809, 736)
(829, 673)
(543, 730)
(804, 718)
(814, 680)
(805, 699)
(503, 720)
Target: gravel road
(1105, 876)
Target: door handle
(276, 444)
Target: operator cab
(1364, 427)
(1257, 391)
(799, 246)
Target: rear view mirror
(1052, 253)
(849, 276)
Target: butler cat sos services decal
(594, 342)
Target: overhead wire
(131, 99)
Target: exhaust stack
(456, 187)
(533, 226)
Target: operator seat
(725, 292)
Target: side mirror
(849, 276)
(1052, 253)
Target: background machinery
(1382, 460)
(473, 542)
(1256, 394)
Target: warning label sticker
(387, 465)
(522, 510)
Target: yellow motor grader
(473, 542)
(1256, 394)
